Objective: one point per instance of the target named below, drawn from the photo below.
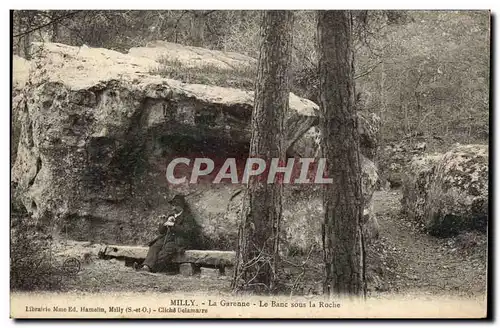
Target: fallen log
(209, 258)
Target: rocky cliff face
(98, 129)
(20, 75)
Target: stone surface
(122, 252)
(458, 193)
(415, 186)
(448, 193)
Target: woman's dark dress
(163, 249)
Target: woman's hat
(178, 200)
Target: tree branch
(46, 24)
(368, 71)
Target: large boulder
(448, 193)
(415, 186)
(97, 130)
(458, 194)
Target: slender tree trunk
(27, 23)
(55, 26)
(342, 199)
(382, 92)
(258, 254)
(198, 28)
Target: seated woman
(175, 233)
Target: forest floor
(416, 262)
(404, 259)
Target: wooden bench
(205, 262)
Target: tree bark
(55, 26)
(26, 21)
(198, 28)
(342, 234)
(258, 253)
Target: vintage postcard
(249, 164)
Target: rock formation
(98, 129)
(448, 193)
(394, 160)
(415, 187)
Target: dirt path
(417, 262)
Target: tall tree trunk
(198, 28)
(55, 25)
(342, 199)
(27, 24)
(258, 253)
(383, 107)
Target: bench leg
(187, 269)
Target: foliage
(241, 77)
(31, 265)
(433, 79)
